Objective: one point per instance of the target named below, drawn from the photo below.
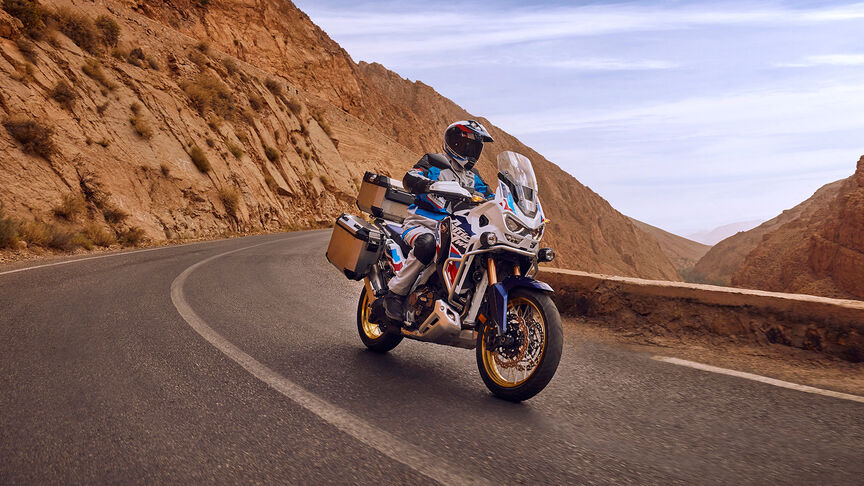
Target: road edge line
(386, 443)
(759, 378)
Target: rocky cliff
(724, 258)
(175, 118)
(821, 252)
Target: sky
(684, 115)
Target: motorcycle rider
(463, 143)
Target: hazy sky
(685, 115)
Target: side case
(383, 197)
(355, 246)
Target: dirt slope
(285, 118)
(821, 252)
(724, 258)
(683, 253)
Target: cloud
(826, 60)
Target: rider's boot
(394, 306)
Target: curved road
(238, 361)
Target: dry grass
(101, 108)
(109, 31)
(230, 66)
(271, 153)
(322, 122)
(140, 126)
(197, 58)
(256, 102)
(133, 236)
(30, 13)
(203, 47)
(307, 155)
(70, 207)
(35, 137)
(294, 105)
(99, 235)
(64, 94)
(209, 94)
(166, 171)
(79, 28)
(93, 69)
(135, 108)
(113, 215)
(23, 73)
(26, 48)
(235, 150)
(8, 232)
(230, 198)
(35, 233)
(274, 86)
(199, 159)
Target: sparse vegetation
(294, 106)
(271, 153)
(209, 94)
(270, 181)
(166, 171)
(256, 102)
(8, 232)
(203, 47)
(113, 215)
(133, 236)
(103, 142)
(71, 206)
(230, 199)
(153, 63)
(99, 235)
(64, 94)
(325, 181)
(306, 155)
(79, 28)
(274, 86)
(108, 29)
(140, 126)
(35, 233)
(93, 69)
(35, 137)
(26, 48)
(235, 150)
(200, 159)
(135, 108)
(197, 58)
(23, 73)
(230, 66)
(322, 122)
(31, 15)
(136, 57)
(101, 108)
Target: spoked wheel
(524, 364)
(370, 333)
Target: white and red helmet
(463, 142)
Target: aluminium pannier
(384, 197)
(355, 246)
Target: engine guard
(498, 293)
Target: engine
(420, 304)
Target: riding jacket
(428, 209)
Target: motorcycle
(478, 293)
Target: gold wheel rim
(496, 365)
(370, 329)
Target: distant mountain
(720, 233)
(683, 253)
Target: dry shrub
(199, 159)
(166, 171)
(271, 153)
(101, 108)
(8, 232)
(274, 86)
(153, 63)
(99, 235)
(306, 155)
(203, 47)
(78, 28)
(230, 66)
(108, 29)
(198, 59)
(93, 69)
(294, 105)
(322, 122)
(70, 207)
(133, 236)
(35, 233)
(23, 74)
(135, 108)
(113, 215)
(119, 53)
(140, 126)
(31, 15)
(270, 181)
(256, 102)
(230, 199)
(236, 151)
(64, 94)
(209, 94)
(35, 137)
(26, 48)
(136, 57)
(103, 142)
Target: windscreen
(516, 169)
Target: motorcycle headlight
(515, 226)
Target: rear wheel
(524, 365)
(371, 334)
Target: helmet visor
(463, 144)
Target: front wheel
(375, 338)
(524, 365)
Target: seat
(395, 233)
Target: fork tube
(492, 271)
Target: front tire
(375, 338)
(523, 369)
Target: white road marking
(411, 455)
(759, 378)
(97, 257)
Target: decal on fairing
(460, 238)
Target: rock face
(724, 258)
(822, 254)
(683, 253)
(286, 120)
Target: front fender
(498, 293)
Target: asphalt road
(103, 380)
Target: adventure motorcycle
(479, 292)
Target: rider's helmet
(463, 142)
